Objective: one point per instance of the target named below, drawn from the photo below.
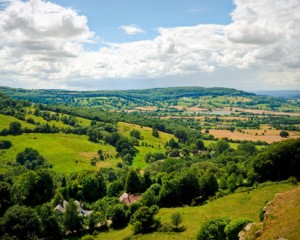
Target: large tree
(133, 182)
(22, 222)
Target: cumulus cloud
(132, 29)
(42, 44)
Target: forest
(134, 164)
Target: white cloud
(42, 45)
(132, 29)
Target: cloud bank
(42, 46)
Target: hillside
(237, 205)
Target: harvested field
(256, 111)
(269, 136)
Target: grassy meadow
(153, 144)
(66, 152)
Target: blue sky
(126, 44)
(106, 17)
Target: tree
(189, 186)
(93, 187)
(133, 183)
(208, 185)
(72, 220)
(155, 133)
(199, 145)
(52, 228)
(234, 227)
(31, 158)
(143, 220)
(22, 223)
(135, 133)
(5, 144)
(118, 216)
(213, 229)
(15, 128)
(5, 199)
(176, 218)
(284, 134)
(34, 187)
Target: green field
(6, 120)
(238, 205)
(146, 133)
(66, 152)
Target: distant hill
(282, 93)
(156, 94)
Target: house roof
(128, 199)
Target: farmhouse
(61, 208)
(128, 198)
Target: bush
(213, 229)
(234, 227)
(293, 180)
(5, 144)
(143, 220)
(176, 219)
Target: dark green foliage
(6, 198)
(93, 187)
(143, 220)
(5, 144)
(118, 215)
(247, 148)
(176, 218)
(284, 134)
(124, 147)
(34, 188)
(72, 220)
(170, 193)
(213, 229)
(133, 182)
(22, 222)
(279, 161)
(31, 158)
(234, 227)
(153, 157)
(188, 186)
(52, 227)
(155, 133)
(15, 128)
(208, 185)
(136, 134)
(199, 145)
(173, 144)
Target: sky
(135, 44)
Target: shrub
(176, 218)
(234, 227)
(213, 229)
(5, 144)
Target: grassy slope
(283, 219)
(146, 133)
(238, 205)
(6, 120)
(62, 150)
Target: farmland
(197, 154)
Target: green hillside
(237, 205)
